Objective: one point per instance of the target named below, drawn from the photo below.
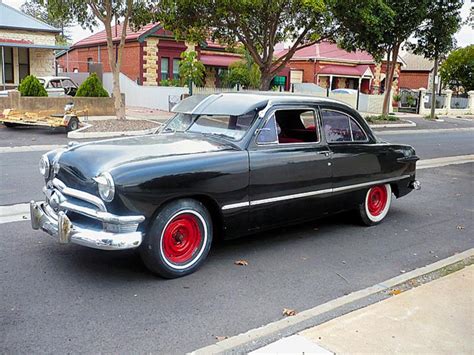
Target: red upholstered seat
(289, 140)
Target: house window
(165, 68)
(8, 64)
(23, 62)
(89, 62)
(176, 69)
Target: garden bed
(115, 125)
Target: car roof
(237, 104)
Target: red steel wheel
(179, 238)
(376, 200)
(182, 238)
(376, 204)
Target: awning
(218, 60)
(344, 70)
(28, 45)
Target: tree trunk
(266, 80)
(433, 89)
(387, 100)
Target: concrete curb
(277, 327)
(394, 125)
(428, 130)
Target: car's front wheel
(375, 205)
(178, 240)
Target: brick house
(327, 65)
(26, 47)
(150, 55)
(416, 73)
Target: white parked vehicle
(59, 85)
(55, 86)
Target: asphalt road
(60, 299)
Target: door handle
(326, 153)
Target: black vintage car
(224, 165)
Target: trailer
(69, 119)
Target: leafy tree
(89, 13)
(61, 19)
(92, 87)
(191, 69)
(244, 72)
(31, 86)
(378, 27)
(435, 36)
(458, 69)
(257, 24)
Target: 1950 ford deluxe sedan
(224, 165)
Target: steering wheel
(68, 90)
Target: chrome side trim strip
(290, 197)
(310, 193)
(235, 205)
(364, 184)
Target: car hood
(90, 159)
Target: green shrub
(31, 86)
(92, 87)
(169, 82)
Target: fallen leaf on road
(221, 337)
(395, 292)
(289, 312)
(241, 262)
(460, 227)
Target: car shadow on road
(127, 265)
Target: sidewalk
(436, 318)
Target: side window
(296, 126)
(268, 134)
(357, 133)
(340, 127)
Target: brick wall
(308, 70)
(413, 79)
(130, 59)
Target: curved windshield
(227, 126)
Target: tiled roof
(101, 37)
(416, 62)
(14, 19)
(328, 50)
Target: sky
(464, 37)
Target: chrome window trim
(310, 193)
(367, 140)
(277, 142)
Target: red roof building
(327, 65)
(151, 54)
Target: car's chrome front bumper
(60, 227)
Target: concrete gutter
(253, 338)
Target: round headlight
(44, 166)
(105, 184)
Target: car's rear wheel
(178, 240)
(375, 205)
